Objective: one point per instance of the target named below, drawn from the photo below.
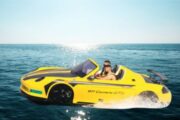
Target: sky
(89, 21)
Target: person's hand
(96, 75)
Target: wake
(134, 102)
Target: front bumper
(35, 99)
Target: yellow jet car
(78, 86)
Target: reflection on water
(81, 115)
(75, 52)
(80, 47)
(77, 114)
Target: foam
(133, 102)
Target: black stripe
(48, 70)
(51, 74)
(73, 83)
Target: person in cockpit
(106, 73)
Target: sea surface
(17, 60)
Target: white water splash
(80, 112)
(134, 102)
(80, 115)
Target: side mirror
(91, 77)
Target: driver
(106, 73)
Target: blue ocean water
(16, 60)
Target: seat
(114, 70)
(118, 72)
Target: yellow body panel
(93, 91)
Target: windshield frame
(82, 74)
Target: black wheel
(149, 96)
(61, 94)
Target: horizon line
(81, 43)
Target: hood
(49, 73)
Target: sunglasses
(107, 65)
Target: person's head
(107, 66)
(107, 62)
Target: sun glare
(81, 47)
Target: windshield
(84, 68)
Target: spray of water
(133, 102)
(79, 115)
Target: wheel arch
(52, 85)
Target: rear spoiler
(155, 74)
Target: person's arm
(104, 78)
(109, 77)
(113, 77)
(97, 75)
